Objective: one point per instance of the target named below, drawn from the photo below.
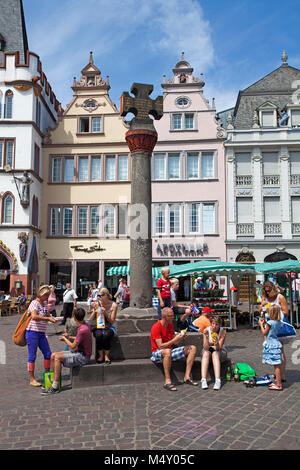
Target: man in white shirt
(69, 302)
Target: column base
(141, 313)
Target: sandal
(189, 381)
(35, 384)
(273, 377)
(274, 387)
(170, 387)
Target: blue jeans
(167, 303)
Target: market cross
(141, 106)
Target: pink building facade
(188, 174)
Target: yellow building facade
(86, 192)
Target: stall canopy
(125, 271)
(287, 266)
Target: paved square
(146, 416)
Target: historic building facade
(188, 182)
(87, 188)
(28, 107)
(263, 169)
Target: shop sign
(181, 249)
(89, 249)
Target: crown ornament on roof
(284, 57)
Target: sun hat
(207, 310)
(43, 290)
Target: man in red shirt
(162, 339)
(163, 290)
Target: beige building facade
(86, 192)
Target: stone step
(135, 371)
(138, 345)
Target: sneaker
(204, 385)
(50, 391)
(217, 385)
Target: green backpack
(245, 371)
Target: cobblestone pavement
(146, 416)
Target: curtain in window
(160, 167)
(123, 167)
(83, 170)
(174, 166)
(207, 166)
(96, 169)
(109, 220)
(110, 171)
(69, 170)
(208, 218)
(9, 153)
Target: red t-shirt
(84, 340)
(165, 288)
(159, 332)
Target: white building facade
(263, 170)
(28, 107)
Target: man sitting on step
(163, 338)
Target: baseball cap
(207, 310)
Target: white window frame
(183, 121)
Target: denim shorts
(177, 354)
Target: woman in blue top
(272, 347)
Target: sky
(234, 42)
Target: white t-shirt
(69, 296)
(173, 296)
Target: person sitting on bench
(162, 339)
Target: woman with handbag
(270, 295)
(104, 312)
(36, 332)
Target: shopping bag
(19, 333)
(48, 378)
(286, 330)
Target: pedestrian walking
(69, 302)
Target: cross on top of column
(141, 105)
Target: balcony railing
(296, 229)
(295, 180)
(273, 229)
(243, 180)
(245, 229)
(272, 180)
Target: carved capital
(141, 140)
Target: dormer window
(268, 115)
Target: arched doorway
(283, 281)
(4, 270)
(245, 289)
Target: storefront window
(60, 274)
(87, 273)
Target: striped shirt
(39, 326)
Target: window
(184, 121)
(67, 221)
(89, 124)
(8, 203)
(296, 210)
(55, 221)
(90, 105)
(1, 104)
(272, 209)
(94, 221)
(182, 102)
(7, 148)
(37, 159)
(1, 153)
(110, 169)
(174, 166)
(295, 163)
(8, 104)
(96, 169)
(295, 114)
(244, 210)
(38, 113)
(194, 218)
(159, 167)
(109, 220)
(96, 124)
(69, 170)
(267, 118)
(243, 164)
(174, 219)
(123, 168)
(160, 219)
(56, 170)
(207, 165)
(270, 164)
(82, 220)
(83, 169)
(193, 166)
(122, 219)
(208, 218)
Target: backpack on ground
(245, 371)
(126, 294)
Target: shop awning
(125, 271)
(286, 266)
(211, 267)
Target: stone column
(141, 139)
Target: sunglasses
(101, 295)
